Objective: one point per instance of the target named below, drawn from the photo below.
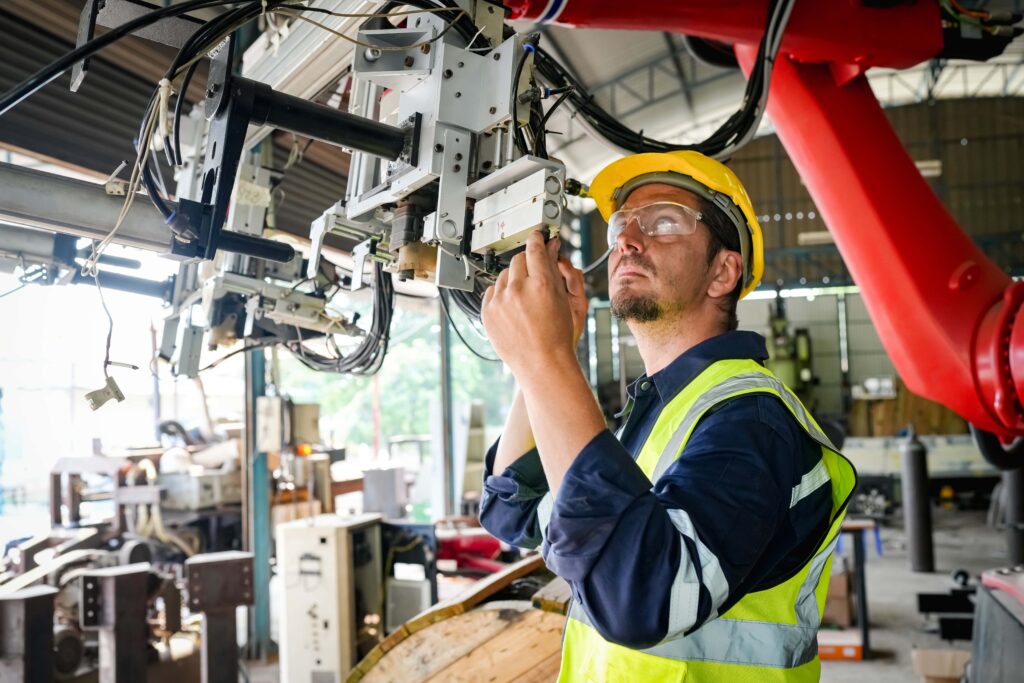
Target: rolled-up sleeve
(650, 562)
(510, 500)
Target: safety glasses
(655, 219)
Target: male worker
(697, 543)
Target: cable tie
(162, 111)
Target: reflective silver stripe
(729, 387)
(683, 607)
(753, 643)
(544, 510)
(810, 483)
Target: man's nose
(631, 238)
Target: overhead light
(929, 168)
(808, 239)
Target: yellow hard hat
(699, 174)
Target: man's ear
(726, 271)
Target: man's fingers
(538, 263)
(553, 245)
(500, 283)
(517, 268)
(573, 277)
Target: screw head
(425, 48)
(458, 94)
(492, 110)
(439, 148)
(456, 168)
(447, 73)
(497, 56)
(409, 61)
(458, 156)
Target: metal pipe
(917, 512)
(323, 123)
(447, 450)
(1013, 504)
(50, 202)
(161, 289)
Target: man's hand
(578, 302)
(533, 315)
(527, 312)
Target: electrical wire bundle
(365, 359)
(735, 132)
(999, 24)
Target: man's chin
(632, 307)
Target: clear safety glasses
(658, 218)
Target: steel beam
(26, 635)
(218, 583)
(113, 602)
(257, 509)
(50, 202)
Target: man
(697, 543)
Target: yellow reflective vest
(768, 635)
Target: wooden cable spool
(474, 638)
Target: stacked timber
(888, 416)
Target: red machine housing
(946, 314)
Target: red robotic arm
(946, 314)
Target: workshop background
(258, 441)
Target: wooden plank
(545, 672)
(431, 650)
(554, 597)
(517, 651)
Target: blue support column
(257, 512)
(451, 499)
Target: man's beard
(641, 309)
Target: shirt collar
(670, 380)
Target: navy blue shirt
(650, 562)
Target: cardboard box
(844, 644)
(839, 600)
(940, 666)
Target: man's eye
(664, 225)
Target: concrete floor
(962, 541)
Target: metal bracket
(218, 583)
(360, 253)
(26, 635)
(113, 602)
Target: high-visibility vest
(768, 635)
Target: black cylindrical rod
(917, 511)
(317, 121)
(259, 247)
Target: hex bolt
(409, 61)
(439, 148)
(447, 73)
